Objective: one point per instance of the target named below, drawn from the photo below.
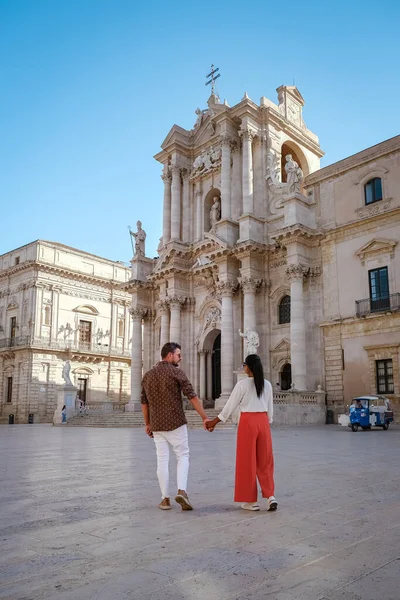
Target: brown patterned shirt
(162, 389)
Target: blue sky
(90, 89)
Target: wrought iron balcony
(27, 341)
(369, 306)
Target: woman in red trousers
(254, 456)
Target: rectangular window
(379, 289)
(13, 327)
(384, 376)
(85, 333)
(373, 190)
(17, 260)
(9, 389)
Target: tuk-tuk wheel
(385, 426)
(354, 427)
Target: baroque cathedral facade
(260, 245)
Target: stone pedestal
(227, 230)
(66, 396)
(141, 267)
(251, 228)
(297, 209)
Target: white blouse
(244, 396)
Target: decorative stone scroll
(206, 163)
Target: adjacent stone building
(258, 239)
(59, 304)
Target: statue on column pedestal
(140, 238)
(252, 340)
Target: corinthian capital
(226, 288)
(297, 271)
(163, 306)
(249, 284)
(247, 133)
(176, 301)
(176, 171)
(137, 313)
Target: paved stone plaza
(79, 520)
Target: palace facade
(58, 304)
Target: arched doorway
(210, 368)
(216, 368)
(286, 377)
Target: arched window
(284, 310)
(373, 190)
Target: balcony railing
(369, 306)
(27, 341)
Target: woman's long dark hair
(253, 361)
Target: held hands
(210, 425)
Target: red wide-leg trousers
(254, 457)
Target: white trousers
(178, 439)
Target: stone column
(147, 341)
(226, 177)
(225, 290)
(164, 310)
(296, 273)
(247, 172)
(166, 177)
(249, 286)
(54, 313)
(176, 203)
(136, 360)
(202, 377)
(199, 220)
(38, 310)
(209, 375)
(185, 207)
(175, 304)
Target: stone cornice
(17, 268)
(357, 160)
(64, 272)
(298, 233)
(136, 285)
(249, 247)
(361, 226)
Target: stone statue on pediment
(199, 119)
(294, 174)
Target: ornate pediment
(375, 247)
(283, 346)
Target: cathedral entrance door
(286, 377)
(216, 368)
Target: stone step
(134, 420)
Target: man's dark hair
(169, 347)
